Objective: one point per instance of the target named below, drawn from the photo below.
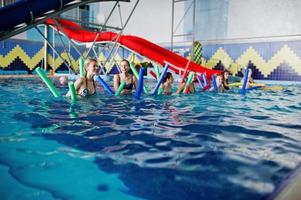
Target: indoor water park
(150, 99)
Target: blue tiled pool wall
(268, 60)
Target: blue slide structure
(25, 14)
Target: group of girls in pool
(85, 86)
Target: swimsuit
(225, 86)
(86, 91)
(128, 86)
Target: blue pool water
(203, 146)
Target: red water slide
(139, 45)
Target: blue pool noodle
(254, 88)
(204, 79)
(140, 83)
(213, 77)
(243, 89)
(200, 82)
(160, 79)
(104, 84)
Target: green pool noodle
(121, 86)
(72, 90)
(81, 68)
(47, 81)
(160, 91)
(157, 71)
(189, 80)
(145, 89)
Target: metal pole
(186, 12)
(52, 47)
(45, 48)
(194, 20)
(120, 16)
(127, 21)
(172, 24)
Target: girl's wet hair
(168, 75)
(89, 60)
(125, 60)
(225, 71)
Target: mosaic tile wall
(268, 60)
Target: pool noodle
(157, 71)
(152, 73)
(188, 82)
(104, 84)
(160, 91)
(251, 84)
(140, 83)
(81, 68)
(47, 81)
(254, 88)
(213, 77)
(204, 79)
(184, 74)
(120, 88)
(145, 89)
(200, 82)
(72, 90)
(243, 90)
(160, 79)
(206, 87)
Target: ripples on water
(203, 146)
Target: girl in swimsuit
(219, 84)
(126, 77)
(225, 76)
(85, 86)
(167, 83)
(191, 88)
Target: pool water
(204, 146)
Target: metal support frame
(95, 54)
(65, 49)
(51, 46)
(119, 34)
(175, 28)
(115, 47)
(120, 16)
(96, 37)
(94, 26)
(71, 42)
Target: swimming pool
(203, 146)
